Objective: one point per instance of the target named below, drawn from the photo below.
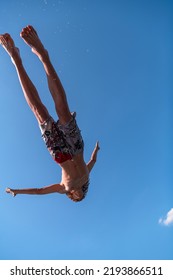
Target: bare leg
(46, 190)
(29, 90)
(30, 37)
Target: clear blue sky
(115, 61)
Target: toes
(32, 29)
(27, 31)
(4, 38)
(7, 35)
(1, 39)
(22, 33)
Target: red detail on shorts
(60, 157)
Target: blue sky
(115, 61)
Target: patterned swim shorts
(62, 141)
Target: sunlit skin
(75, 172)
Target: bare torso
(74, 173)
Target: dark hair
(84, 189)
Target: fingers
(97, 145)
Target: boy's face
(76, 195)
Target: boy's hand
(97, 147)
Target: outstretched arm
(46, 190)
(93, 159)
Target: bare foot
(8, 44)
(12, 192)
(30, 36)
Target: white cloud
(168, 220)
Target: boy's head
(79, 194)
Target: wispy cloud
(168, 219)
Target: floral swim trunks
(62, 141)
